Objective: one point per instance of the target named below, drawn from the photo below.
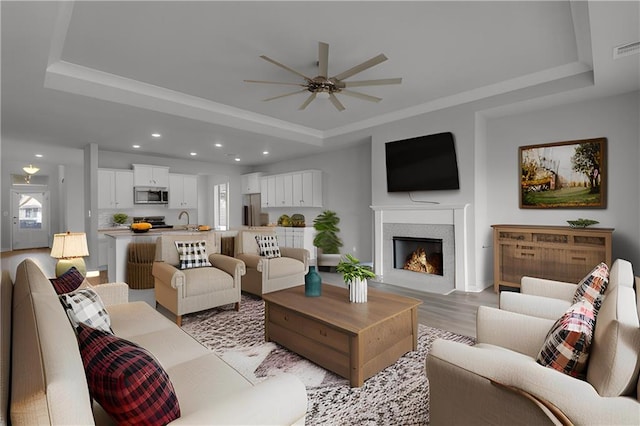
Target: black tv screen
(425, 163)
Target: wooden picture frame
(570, 174)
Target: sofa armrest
(517, 332)
(168, 274)
(548, 288)
(296, 253)
(537, 306)
(280, 400)
(233, 267)
(112, 293)
(574, 399)
(250, 260)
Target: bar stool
(139, 265)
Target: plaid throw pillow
(126, 380)
(193, 254)
(268, 246)
(593, 286)
(67, 282)
(566, 347)
(85, 306)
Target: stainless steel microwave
(150, 196)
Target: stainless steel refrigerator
(251, 211)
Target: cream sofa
(48, 384)
(498, 381)
(266, 275)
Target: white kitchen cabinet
(297, 238)
(268, 191)
(183, 191)
(297, 189)
(115, 189)
(150, 176)
(307, 188)
(284, 190)
(251, 183)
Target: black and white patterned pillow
(193, 254)
(268, 246)
(85, 306)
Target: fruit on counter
(284, 220)
(204, 228)
(140, 226)
(297, 220)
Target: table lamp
(70, 249)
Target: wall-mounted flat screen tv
(425, 163)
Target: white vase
(358, 290)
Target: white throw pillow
(192, 254)
(85, 306)
(268, 246)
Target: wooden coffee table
(354, 340)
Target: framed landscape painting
(563, 175)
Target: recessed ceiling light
(156, 135)
(218, 145)
(193, 153)
(135, 146)
(237, 158)
(39, 155)
(265, 152)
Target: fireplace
(439, 222)
(422, 255)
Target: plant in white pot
(355, 275)
(326, 239)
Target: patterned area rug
(398, 395)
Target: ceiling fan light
(30, 170)
(323, 95)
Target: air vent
(626, 50)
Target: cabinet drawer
(312, 329)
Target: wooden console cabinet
(557, 253)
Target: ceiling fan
(325, 86)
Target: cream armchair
(183, 291)
(549, 299)
(265, 275)
(498, 381)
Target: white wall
(346, 186)
(16, 155)
(69, 209)
(615, 118)
(487, 149)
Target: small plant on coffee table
(351, 269)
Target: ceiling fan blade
(360, 95)
(323, 59)
(275, 82)
(379, 82)
(308, 101)
(336, 103)
(274, 62)
(363, 66)
(286, 94)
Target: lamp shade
(30, 169)
(69, 245)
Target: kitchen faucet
(183, 212)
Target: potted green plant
(120, 218)
(355, 275)
(326, 239)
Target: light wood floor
(455, 312)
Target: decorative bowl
(581, 223)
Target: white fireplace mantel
(429, 214)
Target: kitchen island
(119, 240)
